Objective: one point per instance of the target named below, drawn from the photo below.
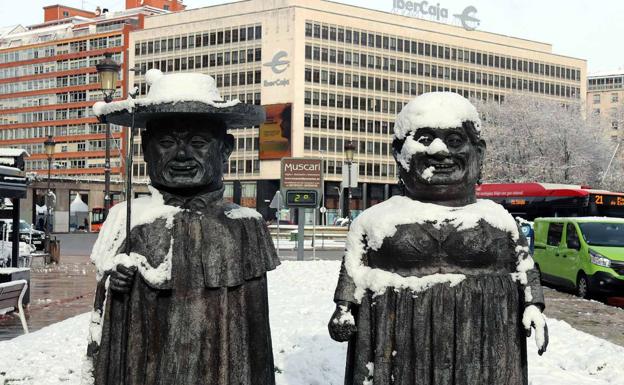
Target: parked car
(582, 253)
(27, 233)
(6, 252)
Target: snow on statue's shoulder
(374, 225)
(238, 212)
(147, 209)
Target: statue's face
(186, 153)
(452, 170)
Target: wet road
(60, 292)
(57, 292)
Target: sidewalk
(57, 292)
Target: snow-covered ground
(301, 304)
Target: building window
(614, 97)
(596, 98)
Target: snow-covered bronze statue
(189, 304)
(437, 287)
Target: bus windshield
(603, 234)
(97, 215)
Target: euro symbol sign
(278, 64)
(468, 19)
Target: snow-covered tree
(534, 139)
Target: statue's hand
(122, 278)
(342, 324)
(533, 318)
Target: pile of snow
(243, 212)
(435, 110)
(374, 225)
(300, 298)
(171, 88)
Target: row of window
(398, 44)
(615, 98)
(335, 145)
(44, 116)
(42, 164)
(56, 131)
(435, 72)
(204, 61)
(61, 49)
(345, 123)
(51, 99)
(54, 66)
(48, 83)
(197, 40)
(604, 83)
(363, 103)
(373, 170)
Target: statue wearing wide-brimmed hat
(188, 304)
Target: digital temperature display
(303, 198)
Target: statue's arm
(532, 288)
(533, 296)
(345, 289)
(342, 324)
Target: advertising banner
(275, 132)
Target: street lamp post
(49, 146)
(349, 149)
(108, 71)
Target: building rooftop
(362, 12)
(606, 73)
(64, 28)
(4, 31)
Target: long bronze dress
(208, 325)
(467, 334)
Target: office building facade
(605, 98)
(48, 83)
(347, 71)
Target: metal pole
(611, 161)
(314, 235)
(300, 230)
(107, 171)
(129, 184)
(277, 216)
(15, 233)
(323, 215)
(347, 208)
(48, 201)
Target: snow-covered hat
(435, 110)
(180, 93)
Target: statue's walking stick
(126, 300)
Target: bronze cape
(210, 323)
(463, 335)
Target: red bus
(532, 200)
(97, 218)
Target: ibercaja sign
(301, 181)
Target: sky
(591, 30)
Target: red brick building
(48, 83)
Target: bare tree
(539, 140)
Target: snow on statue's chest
(380, 222)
